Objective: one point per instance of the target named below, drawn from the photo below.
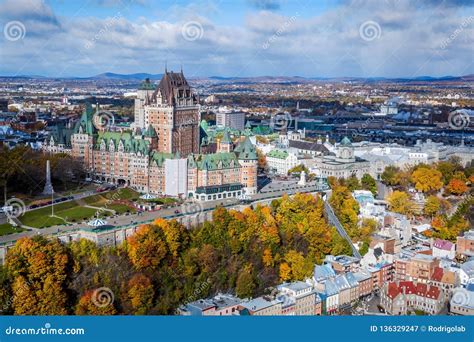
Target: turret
(225, 143)
(248, 160)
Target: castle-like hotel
(165, 151)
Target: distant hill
(137, 76)
(110, 76)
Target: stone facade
(166, 127)
(343, 164)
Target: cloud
(37, 17)
(268, 5)
(411, 42)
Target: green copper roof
(346, 142)
(262, 130)
(214, 161)
(246, 150)
(150, 132)
(204, 125)
(146, 85)
(130, 145)
(226, 138)
(159, 157)
(85, 124)
(278, 154)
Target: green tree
(390, 175)
(352, 183)
(369, 183)
(245, 286)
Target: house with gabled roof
(399, 298)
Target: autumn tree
(447, 170)
(352, 183)
(147, 247)
(427, 179)
(346, 208)
(5, 291)
(301, 268)
(432, 206)
(140, 294)
(456, 187)
(400, 202)
(267, 258)
(208, 258)
(262, 161)
(39, 270)
(92, 303)
(368, 226)
(285, 271)
(176, 235)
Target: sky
(239, 38)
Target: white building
(281, 162)
(444, 249)
(176, 177)
(466, 274)
(231, 119)
(343, 164)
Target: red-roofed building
(444, 279)
(399, 298)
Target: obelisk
(48, 187)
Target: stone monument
(48, 187)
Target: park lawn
(95, 200)
(164, 200)
(121, 208)
(100, 200)
(7, 228)
(123, 194)
(40, 218)
(77, 214)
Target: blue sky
(365, 38)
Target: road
(126, 220)
(187, 208)
(340, 229)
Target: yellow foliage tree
(400, 202)
(285, 272)
(267, 258)
(427, 179)
(146, 248)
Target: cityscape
(155, 187)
